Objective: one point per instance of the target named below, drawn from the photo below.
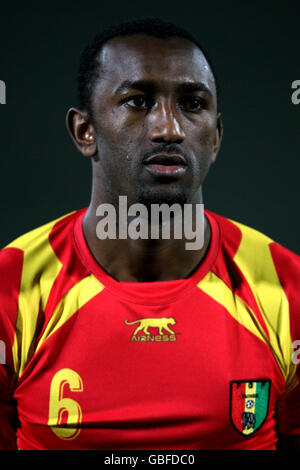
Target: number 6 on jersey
(65, 411)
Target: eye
(192, 103)
(139, 102)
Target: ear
(82, 132)
(218, 137)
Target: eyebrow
(149, 86)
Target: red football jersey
(88, 362)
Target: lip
(166, 159)
(166, 165)
(170, 171)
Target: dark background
(255, 47)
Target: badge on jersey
(249, 403)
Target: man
(122, 343)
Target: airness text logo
(160, 330)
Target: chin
(148, 197)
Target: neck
(144, 260)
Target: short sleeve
(10, 275)
(287, 265)
(288, 412)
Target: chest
(122, 375)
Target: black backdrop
(255, 47)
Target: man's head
(147, 113)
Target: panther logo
(145, 323)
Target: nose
(165, 127)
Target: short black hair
(89, 65)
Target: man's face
(155, 112)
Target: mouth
(166, 165)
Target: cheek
(120, 134)
(207, 132)
(111, 146)
(116, 157)
(203, 138)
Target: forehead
(164, 60)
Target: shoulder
(272, 270)
(256, 252)
(39, 236)
(268, 261)
(35, 247)
(31, 260)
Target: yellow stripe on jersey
(254, 259)
(39, 257)
(216, 288)
(75, 298)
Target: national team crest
(249, 403)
